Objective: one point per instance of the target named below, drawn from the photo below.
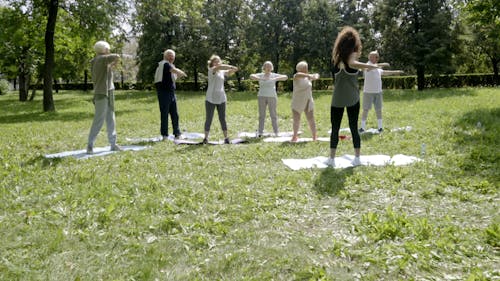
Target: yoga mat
(256, 135)
(218, 142)
(345, 161)
(185, 135)
(98, 151)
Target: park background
(235, 212)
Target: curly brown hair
(347, 42)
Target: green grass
(235, 212)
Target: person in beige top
(302, 100)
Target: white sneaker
(356, 161)
(331, 162)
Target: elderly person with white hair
(267, 96)
(165, 76)
(302, 99)
(104, 98)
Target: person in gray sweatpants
(104, 98)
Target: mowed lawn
(236, 212)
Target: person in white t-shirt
(267, 96)
(216, 95)
(372, 89)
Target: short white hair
(373, 53)
(302, 65)
(169, 51)
(101, 46)
(268, 63)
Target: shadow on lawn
(478, 136)
(410, 95)
(331, 181)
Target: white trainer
(356, 161)
(331, 162)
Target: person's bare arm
(281, 77)
(306, 75)
(392, 72)
(178, 72)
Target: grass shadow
(410, 95)
(331, 181)
(476, 134)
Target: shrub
(4, 86)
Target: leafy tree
(227, 22)
(21, 48)
(273, 31)
(417, 35)
(484, 19)
(158, 23)
(316, 33)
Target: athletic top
(346, 88)
(215, 91)
(373, 80)
(302, 94)
(267, 88)
(164, 79)
(102, 76)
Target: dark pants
(336, 114)
(168, 105)
(221, 111)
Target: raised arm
(354, 63)
(392, 72)
(230, 68)
(281, 77)
(178, 72)
(306, 75)
(254, 77)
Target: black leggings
(336, 114)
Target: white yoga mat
(345, 161)
(98, 151)
(185, 135)
(375, 131)
(256, 135)
(213, 142)
(289, 139)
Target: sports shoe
(380, 130)
(90, 150)
(226, 141)
(361, 130)
(331, 162)
(356, 161)
(205, 141)
(177, 137)
(164, 138)
(116, 147)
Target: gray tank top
(346, 89)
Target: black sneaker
(226, 140)
(205, 141)
(380, 130)
(361, 130)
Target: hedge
(388, 82)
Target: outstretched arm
(354, 63)
(230, 68)
(178, 72)
(281, 77)
(306, 75)
(392, 72)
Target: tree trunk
(23, 89)
(420, 78)
(85, 80)
(496, 79)
(48, 99)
